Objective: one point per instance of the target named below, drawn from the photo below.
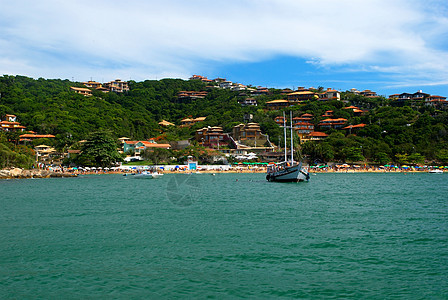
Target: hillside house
(368, 94)
(189, 95)
(248, 102)
(418, 96)
(138, 147)
(277, 104)
(332, 123)
(317, 136)
(330, 95)
(28, 137)
(249, 131)
(165, 123)
(189, 121)
(213, 137)
(117, 86)
(301, 96)
(225, 84)
(82, 91)
(10, 124)
(47, 155)
(93, 84)
(249, 136)
(279, 120)
(328, 114)
(260, 91)
(308, 117)
(356, 110)
(353, 129)
(303, 129)
(236, 87)
(436, 101)
(201, 78)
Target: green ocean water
(351, 236)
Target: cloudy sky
(389, 46)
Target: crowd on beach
(345, 168)
(335, 168)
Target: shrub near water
(22, 157)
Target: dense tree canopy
(393, 133)
(100, 150)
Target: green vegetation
(394, 133)
(100, 150)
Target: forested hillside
(394, 132)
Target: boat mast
(292, 142)
(284, 131)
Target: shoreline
(18, 173)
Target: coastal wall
(33, 173)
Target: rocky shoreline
(18, 173)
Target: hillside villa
(189, 121)
(213, 137)
(139, 146)
(277, 104)
(10, 124)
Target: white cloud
(148, 39)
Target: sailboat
(287, 171)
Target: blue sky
(389, 46)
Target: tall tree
(100, 150)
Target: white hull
(436, 171)
(147, 175)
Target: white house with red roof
(139, 146)
(10, 124)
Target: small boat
(147, 175)
(287, 171)
(435, 171)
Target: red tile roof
(355, 126)
(37, 136)
(318, 134)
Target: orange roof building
(139, 146)
(332, 123)
(317, 136)
(10, 124)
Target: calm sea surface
(376, 236)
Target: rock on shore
(33, 173)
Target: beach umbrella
(162, 168)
